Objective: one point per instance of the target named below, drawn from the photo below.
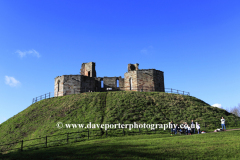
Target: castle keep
(135, 80)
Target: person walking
(198, 128)
(193, 126)
(223, 123)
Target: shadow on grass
(96, 150)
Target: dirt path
(227, 130)
(233, 129)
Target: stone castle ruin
(134, 80)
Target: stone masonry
(134, 80)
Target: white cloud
(11, 81)
(31, 52)
(144, 51)
(147, 50)
(151, 47)
(217, 105)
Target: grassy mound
(126, 107)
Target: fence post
(67, 137)
(88, 133)
(45, 96)
(49, 94)
(171, 90)
(183, 92)
(22, 146)
(46, 142)
(33, 101)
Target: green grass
(221, 145)
(39, 119)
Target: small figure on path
(223, 123)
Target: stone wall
(121, 83)
(130, 81)
(87, 84)
(159, 81)
(58, 86)
(110, 83)
(71, 84)
(88, 69)
(145, 79)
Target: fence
(139, 89)
(170, 90)
(85, 135)
(45, 96)
(76, 91)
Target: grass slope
(125, 107)
(223, 145)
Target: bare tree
(236, 110)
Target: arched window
(102, 84)
(117, 82)
(130, 83)
(58, 84)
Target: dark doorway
(130, 82)
(58, 85)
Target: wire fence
(72, 137)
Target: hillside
(125, 107)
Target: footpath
(227, 130)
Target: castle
(135, 80)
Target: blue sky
(195, 44)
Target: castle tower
(133, 67)
(88, 69)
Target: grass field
(220, 145)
